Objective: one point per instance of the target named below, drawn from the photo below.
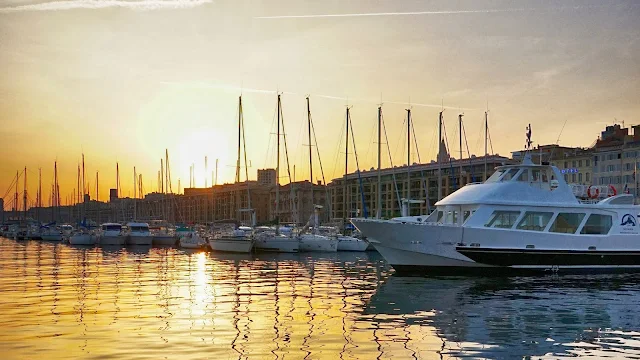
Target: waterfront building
(616, 159)
(362, 188)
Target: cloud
(103, 4)
(442, 12)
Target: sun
(192, 149)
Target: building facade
(418, 182)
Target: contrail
(331, 97)
(103, 4)
(443, 12)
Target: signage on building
(569, 171)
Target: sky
(121, 81)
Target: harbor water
(59, 301)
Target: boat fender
(612, 191)
(593, 194)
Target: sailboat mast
(346, 169)
(239, 133)
(408, 161)
(277, 171)
(440, 156)
(24, 197)
(486, 135)
(97, 188)
(215, 181)
(55, 188)
(135, 180)
(206, 171)
(310, 151)
(460, 159)
(246, 164)
(39, 192)
(379, 199)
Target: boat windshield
(139, 228)
(111, 227)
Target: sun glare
(192, 149)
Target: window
(587, 177)
(573, 163)
(466, 215)
(535, 221)
(503, 219)
(524, 175)
(580, 177)
(566, 164)
(579, 163)
(597, 224)
(535, 175)
(566, 223)
(566, 178)
(573, 178)
(496, 175)
(509, 174)
(587, 162)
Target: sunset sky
(123, 80)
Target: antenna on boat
(527, 148)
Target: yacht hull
(51, 237)
(348, 243)
(231, 246)
(138, 240)
(82, 239)
(420, 249)
(312, 243)
(283, 244)
(111, 240)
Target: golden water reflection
(59, 301)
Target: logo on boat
(628, 220)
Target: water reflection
(509, 317)
(63, 301)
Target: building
(574, 163)
(267, 177)
(1, 211)
(361, 188)
(296, 204)
(616, 159)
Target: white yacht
(523, 218)
(139, 234)
(164, 236)
(237, 241)
(266, 239)
(313, 241)
(83, 237)
(192, 240)
(56, 233)
(345, 242)
(111, 234)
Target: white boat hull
(348, 243)
(117, 240)
(280, 243)
(317, 243)
(231, 245)
(140, 240)
(82, 239)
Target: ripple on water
(61, 301)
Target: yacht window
(535, 221)
(535, 175)
(466, 215)
(503, 219)
(139, 228)
(597, 224)
(440, 214)
(111, 228)
(567, 223)
(544, 177)
(509, 174)
(496, 175)
(524, 175)
(455, 217)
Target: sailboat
(267, 239)
(239, 240)
(314, 241)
